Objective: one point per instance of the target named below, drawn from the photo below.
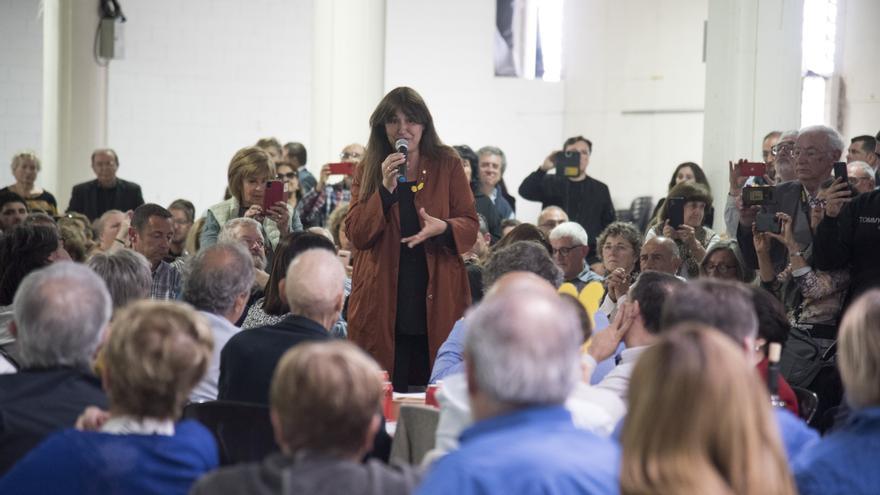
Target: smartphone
(840, 171)
(675, 211)
(767, 222)
(753, 169)
(568, 163)
(342, 168)
(274, 193)
(757, 195)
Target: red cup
(388, 402)
(431, 395)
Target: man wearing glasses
(783, 163)
(864, 149)
(861, 177)
(324, 198)
(570, 249)
(813, 155)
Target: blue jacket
(845, 461)
(77, 462)
(534, 450)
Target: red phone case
(342, 168)
(274, 193)
(751, 169)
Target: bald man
(314, 288)
(550, 217)
(660, 254)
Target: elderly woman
(689, 172)
(845, 461)
(692, 237)
(619, 247)
(248, 172)
(156, 353)
(682, 389)
(724, 260)
(126, 273)
(25, 167)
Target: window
(818, 45)
(528, 39)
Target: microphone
(402, 146)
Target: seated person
(314, 290)
(592, 409)
(156, 353)
(325, 403)
(58, 331)
(724, 260)
(570, 250)
(686, 385)
(523, 439)
(728, 308)
(845, 460)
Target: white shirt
(127, 425)
(222, 331)
(617, 381)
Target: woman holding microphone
(412, 214)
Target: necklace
(421, 185)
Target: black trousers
(411, 362)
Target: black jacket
(37, 402)
(248, 360)
(84, 199)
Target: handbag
(808, 350)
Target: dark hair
(724, 305)
(25, 249)
(699, 175)
(570, 141)
(773, 324)
(510, 222)
(408, 101)
(7, 197)
(869, 143)
(186, 207)
(524, 232)
(298, 151)
(288, 249)
(466, 153)
(690, 191)
(521, 256)
(651, 290)
(141, 216)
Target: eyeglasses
(348, 155)
(853, 180)
(287, 176)
(721, 269)
(549, 224)
(780, 148)
(563, 251)
(810, 153)
(253, 242)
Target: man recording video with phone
(318, 203)
(584, 199)
(816, 150)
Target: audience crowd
(580, 354)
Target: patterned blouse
(822, 292)
(256, 317)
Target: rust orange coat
(375, 235)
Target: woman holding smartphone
(411, 216)
(247, 175)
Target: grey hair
(493, 150)
(721, 304)
(126, 273)
(229, 231)
(790, 134)
(98, 224)
(743, 272)
(61, 312)
(217, 276)
(572, 230)
(864, 167)
(834, 139)
(522, 256)
(315, 283)
(522, 348)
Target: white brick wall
(21, 80)
(201, 79)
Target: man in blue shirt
(523, 440)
